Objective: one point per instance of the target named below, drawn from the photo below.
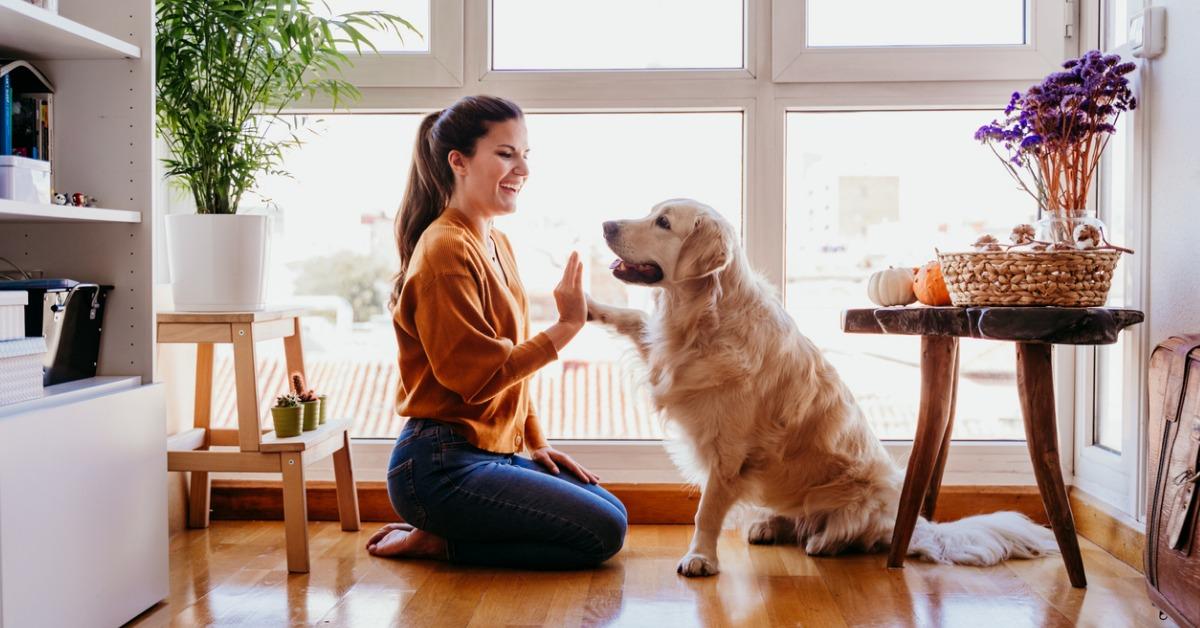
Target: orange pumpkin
(930, 286)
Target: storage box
(24, 179)
(21, 369)
(12, 314)
(69, 315)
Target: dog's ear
(706, 250)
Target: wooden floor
(235, 573)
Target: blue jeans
(500, 509)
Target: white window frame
(440, 66)
(794, 61)
(1118, 478)
(764, 103)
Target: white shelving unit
(17, 211)
(92, 451)
(40, 34)
(71, 392)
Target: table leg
(347, 492)
(935, 483)
(937, 369)
(246, 381)
(1036, 387)
(295, 512)
(293, 353)
(198, 492)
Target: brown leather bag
(1173, 448)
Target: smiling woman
(466, 353)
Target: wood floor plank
(799, 601)
(1115, 595)
(235, 574)
(448, 597)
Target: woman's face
(491, 180)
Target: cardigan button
(517, 440)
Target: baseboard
(1114, 532)
(646, 503)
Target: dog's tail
(981, 540)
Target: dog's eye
(663, 222)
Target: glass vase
(1058, 225)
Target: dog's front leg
(628, 321)
(718, 496)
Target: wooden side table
(1034, 330)
(259, 451)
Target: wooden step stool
(259, 450)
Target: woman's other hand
(552, 459)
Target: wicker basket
(1062, 278)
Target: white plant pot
(218, 262)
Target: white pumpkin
(893, 286)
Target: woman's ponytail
(424, 199)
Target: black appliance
(69, 314)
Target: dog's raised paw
(693, 565)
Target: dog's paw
(762, 533)
(773, 530)
(693, 565)
(596, 312)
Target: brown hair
(430, 180)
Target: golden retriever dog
(764, 419)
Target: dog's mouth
(646, 273)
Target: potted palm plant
(225, 72)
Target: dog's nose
(610, 229)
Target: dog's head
(681, 240)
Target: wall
(1174, 107)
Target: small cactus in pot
(309, 401)
(285, 414)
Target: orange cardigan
(465, 350)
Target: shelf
(30, 32)
(70, 392)
(20, 211)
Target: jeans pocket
(402, 489)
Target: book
(42, 137)
(25, 126)
(6, 95)
(26, 111)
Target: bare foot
(400, 540)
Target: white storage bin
(21, 369)
(24, 179)
(12, 313)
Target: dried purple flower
(1050, 130)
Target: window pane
(585, 169)
(868, 190)
(915, 23)
(1110, 365)
(332, 249)
(1110, 382)
(415, 11)
(1116, 30)
(616, 35)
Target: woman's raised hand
(568, 295)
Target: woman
(466, 354)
